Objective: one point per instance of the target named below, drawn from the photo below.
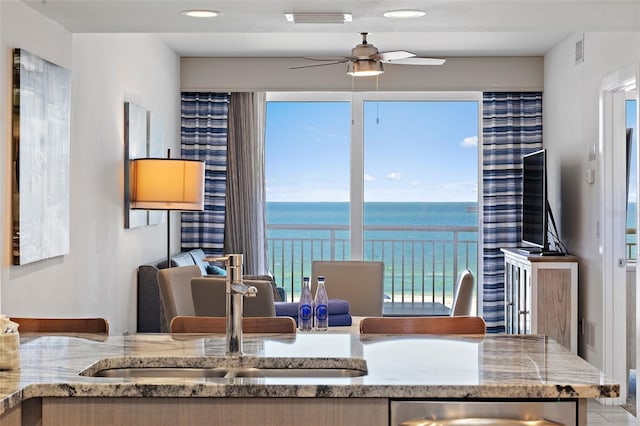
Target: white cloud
(470, 141)
(394, 176)
(368, 177)
(442, 192)
(415, 183)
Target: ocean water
(423, 245)
(378, 213)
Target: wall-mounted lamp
(167, 184)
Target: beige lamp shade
(167, 184)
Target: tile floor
(608, 415)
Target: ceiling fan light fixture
(365, 68)
(201, 13)
(404, 14)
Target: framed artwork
(155, 149)
(40, 158)
(142, 139)
(135, 146)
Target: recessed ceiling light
(404, 13)
(201, 13)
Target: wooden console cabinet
(541, 296)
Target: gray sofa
(149, 309)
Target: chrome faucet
(235, 292)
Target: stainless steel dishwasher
(483, 413)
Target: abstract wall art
(155, 148)
(142, 139)
(135, 146)
(40, 158)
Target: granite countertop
(427, 367)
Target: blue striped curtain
(511, 128)
(204, 137)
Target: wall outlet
(590, 176)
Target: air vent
(318, 17)
(579, 58)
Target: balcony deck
(407, 309)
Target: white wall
(571, 127)
(97, 277)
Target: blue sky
(414, 151)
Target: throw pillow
(215, 270)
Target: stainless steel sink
(297, 372)
(226, 367)
(186, 372)
(162, 372)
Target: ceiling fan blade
(393, 55)
(319, 65)
(326, 59)
(418, 61)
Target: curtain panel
(204, 137)
(511, 128)
(245, 227)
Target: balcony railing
(631, 245)
(421, 263)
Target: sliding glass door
(421, 195)
(374, 176)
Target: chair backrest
(209, 298)
(62, 325)
(423, 325)
(175, 290)
(219, 325)
(463, 295)
(358, 282)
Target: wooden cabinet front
(541, 296)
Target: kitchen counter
(492, 366)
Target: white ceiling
(258, 28)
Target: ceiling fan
(366, 61)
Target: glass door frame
(356, 184)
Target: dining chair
(463, 295)
(423, 325)
(62, 325)
(358, 282)
(184, 324)
(209, 298)
(175, 291)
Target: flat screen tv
(534, 201)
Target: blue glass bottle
(305, 307)
(321, 302)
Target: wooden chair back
(62, 325)
(361, 283)
(186, 324)
(423, 325)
